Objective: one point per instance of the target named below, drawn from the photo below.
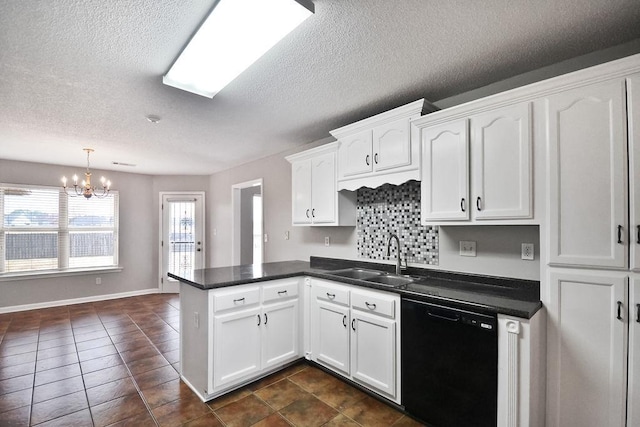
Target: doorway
(247, 223)
(182, 246)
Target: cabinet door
(323, 189)
(392, 145)
(587, 350)
(301, 192)
(356, 155)
(633, 398)
(633, 105)
(445, 172)
(587, 176)
(236, 345)
(330, 334)
(373, 352)
(280, 333)
(501, 163)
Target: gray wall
(138, 252)
(246, 223)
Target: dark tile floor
(114, 363)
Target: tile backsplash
(394, 209)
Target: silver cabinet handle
(370, 306)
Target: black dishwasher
(449, 365)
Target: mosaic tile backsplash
(394, 209)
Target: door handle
(239, 300)
(638, 313)
(371, 306)
(438, 316)
(331, 296)
(307, 213)
(619, 317)
(375, 158)
(463, 205)
(266, 319)
(313, 212)
(258, 319)
(353, 324)
(478, 203)
(366, 159)
(619, 234)
(638, 237)
(199, 250)
(344, 320)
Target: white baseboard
(62, 302)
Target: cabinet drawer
(334, 294)
(236, 298)
(374, 303)
(279, 291)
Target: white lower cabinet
(587, 349)
(237, 334)
(354, 332)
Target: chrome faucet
(393, 236)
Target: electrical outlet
(98, 281)
(196, 319)
(286, 235)
(527, 251)
(467, 248)
(266, 237)
(326, 241)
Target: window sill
(9, 277)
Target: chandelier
(85, 189)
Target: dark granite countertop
(488, 294)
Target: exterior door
(501, 163)
(182, 239)
(587, 350)
(445, 172)
(587, 182)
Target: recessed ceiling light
(234, 35)
(153, 118)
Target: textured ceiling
(85, 73)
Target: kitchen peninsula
(242, 323)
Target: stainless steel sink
(357, 273)
(391, 280)
(374, 276)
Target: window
(43, 229)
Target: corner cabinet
(382, 149)
(488, 153)
(354, 332)
(237, 334)
(314, 196)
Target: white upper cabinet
(633, 105)
(356, 154)
(498, 169)
(588, 176)
(501, 162)
(445, 172)
(381, 149)
(315, 199)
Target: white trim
(45, 274)
(235, 215)
(82, 300)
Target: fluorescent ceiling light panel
(235, 34)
